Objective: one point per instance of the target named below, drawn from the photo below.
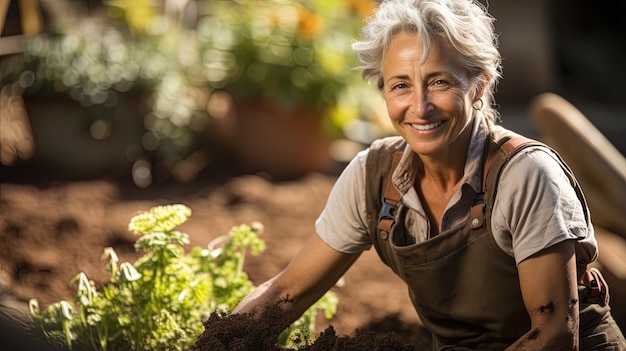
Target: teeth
(427, 126)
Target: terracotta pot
(282, 142)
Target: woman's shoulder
(538, 158)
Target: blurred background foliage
(168, 89)
(162, 82)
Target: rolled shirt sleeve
(343, 224)
(536, 207)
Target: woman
(484, 271)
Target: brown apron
(464, 288)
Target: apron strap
(390, 200)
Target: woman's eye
(439, 84)
(398, 86)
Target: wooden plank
(32, 22)
(599, 167)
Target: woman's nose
(420, 104)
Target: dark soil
(244, 332)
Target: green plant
(159, 302)
(295, 52)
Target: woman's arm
(309, 275)
(550, 292)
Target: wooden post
(599, 167)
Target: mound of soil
(242, 332)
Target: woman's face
(429, 102)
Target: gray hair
(464, 24)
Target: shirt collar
(404, 175)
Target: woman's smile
(427, 127)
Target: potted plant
(108, 91)
(284, 70)
(271, 83)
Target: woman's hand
(309, 275)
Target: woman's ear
(481, 84)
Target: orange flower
(363, 8)
(310, 24)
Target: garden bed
(51, 229)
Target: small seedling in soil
(172, 300)
(160, 301)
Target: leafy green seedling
(159, 302)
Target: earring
(478, 107)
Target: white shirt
(535, 207)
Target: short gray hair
(464, 24)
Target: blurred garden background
(162, 90)
(245, 110)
